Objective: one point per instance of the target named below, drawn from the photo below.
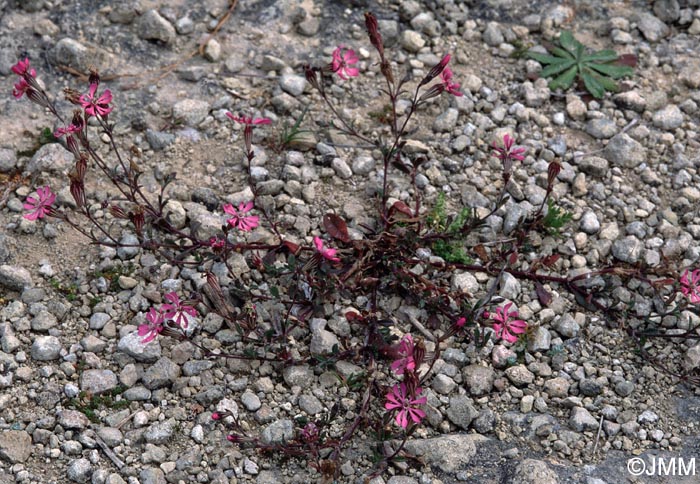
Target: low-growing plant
(297, 283)
(571, 61)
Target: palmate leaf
(570, 60)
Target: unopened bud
(311, 76)
(94, 76)
(552, 172)
(436, 70)
(419, 353)
(387, 72)
(77, 189)
(117, 212)
(72, 96)
(434, 91)
(137, 218)
(375, 37)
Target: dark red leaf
(400, 207)
(550, 260)
(336, 227)
(627, 60)
(513, 258)
(481, 252)
(291, 247)
(542, 294)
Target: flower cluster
(174, 310)
(26, 74)
(506, 326)
(94, 105)
(41, 206)
(404, 397)
(328, 254)
(508, 153)
(343, 60)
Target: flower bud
(311, 77)
(94, 76)
(72, 96)
(436, 70)
(375, 37)
(552, 172)
(77, 189)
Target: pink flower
(342, 60)
(248, 119)
(407, 405)
(21, 87)
(505, 327)
(461, 322)
(215, 416)
(690, 285)
(310, 433)
(174, 310)
(326, 253)
(38, 208)
(237, 220)
(153, 327)
(446, 76)
(70, 129)
(22, 68)
(406, 362)
(508, 153)
(94, 106)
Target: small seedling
(572, 60)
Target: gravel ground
(579, 403)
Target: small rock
(448, 453)
(341, 168)
(278, 432)
(478, 379)
(601, 128)
(15, 446)
(669, 117)
(519, 375)
(79, 470)
(628, 249)
(15, 278)
(581, 420)
(132, 345)
(151, 26)
(624, 151)
(191, 111)
(412, 41)
(651, 27)
(97, 381)
(161, 374)
(293, 84)
(531, 471)
(46, 348)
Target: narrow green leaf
(553, 69)
(592, 85)
(564, 54)
(612, 70)
(607, 83)
(565, 80)
(568, 41)
(607, 55)
(543, 58)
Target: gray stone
(519, 375)
(15, 446)
(8, 160)
(191, 111)
(278, 432)
(81, 56)
(212, 51)
(363, 165)
(160, 432)
(250, 401)
(669, 117)
(72, 419)
(628, 249)
(322, 341)
(46, 348)
(159, 140)
(448, 453)
(298, 375)
(137, 394)
(97, 381)
(567, 326)
(151, 26)
(667, 10)
(293, 84)
(79, 470)
(590, 387)
(594, 166)
(651, 27)
(478, 379)
(461, 411)
(152, 475)
(310, 404)
(15, 278)
(485, 422)
(557, 387)
(443, 384)
(161, 374)
(624, 388)
(446, 121)
(184, 26)
(624, 151)
(601, 128)
(590, 223)
(43, 321)
(647, 417)
(539, 340)
(132, 345)
(341, 168)
(465, 282)
(536, 94)
(492, 34)
(129, 246)
(581, 420)
(309, 26)
(110, 435)
(412, 41)
(99, 320)
(531, 471)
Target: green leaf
(565, 80)
(568, 41)
(607, 55)
(593, 85)
(564, 54)
(607, 83)
(544, 58)
(274, 291)
(553, 69)
(612, 70)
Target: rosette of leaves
(571, 60)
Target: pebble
(293, 84)
(152, 26)
(132, 345)
(624, 151)
(448, 453)
(531, 471)
(15, 446)
(191, 112)
(97, 381)
(478, 379)
(15, 278)
(411, 40)
(581, 420)
(628, 249)
(46, 348)
(161, 374)
(519, 375)
(669, 117)
(79, 470)
(277, 432)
